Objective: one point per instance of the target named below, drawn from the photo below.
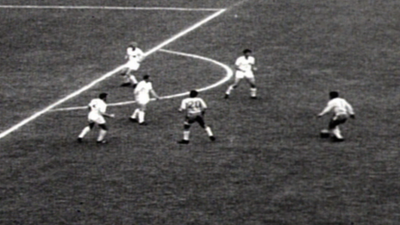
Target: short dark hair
(193, 93)
(246, 51)
(103, 95)
(145, 77)
(333, 94)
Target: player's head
(193, 93)
(146, 77)
(103, 96)
(333, 94)
(247, 52)
(133, 44)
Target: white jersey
(134, 55)
(338, 106)
(97, 109)
(245, 64)
(193, 106)
(142, 90)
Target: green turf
(268, 165)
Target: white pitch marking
(105, 76)
(104, 7)
(229, 74)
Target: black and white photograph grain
(200, 112)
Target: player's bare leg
(102, 134)
(139, 115)
(253, 88)
(201, 122)
(85, 131)
(186, 134)
(233, 86)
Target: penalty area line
(229, 74)
(107, 75)
(106, 8)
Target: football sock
(135, 114)
(141, 116)
(132, 79)
(209, 131)
(186, 134)
(84, 132)
(253, 92)
(230, 88)
(102, 134)
(336, 132)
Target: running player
(342, 110)
(195, 109)
(142, 97)
(245, 65)
(134, 55)
(97, 112)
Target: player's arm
(141, 56)
(327, 109)
(203, 106)
(350, 110)
(237, 65)
(155, 94)
(254, 66)
(183, 106)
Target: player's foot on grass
(335, 139)
(143, 124)
(212, 138)
(226, 96)
(125, 85)
(185, 142)
(133, 120)
(101, 142)
(253, 97)
(79, 140)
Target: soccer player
(142, 97)
(245, 65)
(341, 110)
(134, 55)
(97, 112)
(195, 109)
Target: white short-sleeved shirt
(134, 55)
(143, 89)
(338, 106)
(245, 64)
(97, 108)
(193, 106)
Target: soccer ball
(324, 133)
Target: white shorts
(96, 118)
(241, 74)
(133, 65)
(142, 100)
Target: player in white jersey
(142, 96)
(245, 65)
(97, 112)
(135, 56)
(341, 110)
(195, 108)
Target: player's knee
(252, 85)
(103, 127)
(91, 125)
(186, 126)
(234, 86)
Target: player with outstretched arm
(142, 96)
(195, 108)
(97, 111)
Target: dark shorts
(337, 120)
(195, 118)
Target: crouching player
(342, 110)
(97, 112)
(195, 109)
